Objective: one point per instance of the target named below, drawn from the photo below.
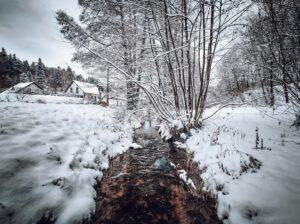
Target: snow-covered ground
(252, 185)
(6, 96)
(51, 155)
(54, 148)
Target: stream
(158, 183)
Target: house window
(95, 98)
(71, 90)
(29, 90)
(77, 90)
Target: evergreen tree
(17, 69)
(40, 74)
(26, 66)
(60, 73)
(92, 80)
(13, 71)
(55, 79)
(3, 67)
(32, 71)
(9, 71)
(3, 61)
(69, 74)
(24, 77)
(27, 70)
(79, 78)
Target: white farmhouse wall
(32, 88)
(74, 93)
(91, 97)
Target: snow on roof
(87, 87)
(102, 82)
(19, 86)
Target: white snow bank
(136, 146)
(51, 155)
(225, 149)
(188, 181)
(6, 96)
(164, 131)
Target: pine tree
(40, 74)
(32, 71)
(79, 78)
(3, 61)
(69, 75)
(55, 79)
(26, 66)
(17, 69)
(3, 67)
(13, 71)
(24, 77)
(10, 71)
(92, 80)
(27, 70)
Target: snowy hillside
(253, 184)
(51, 155)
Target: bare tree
(271, 45)
(189, 33)
(166, 48)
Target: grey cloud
(29, 29)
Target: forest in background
(53, 79)
(266, 54)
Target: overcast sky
(28, 28)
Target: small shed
(87, 91)
(26, 88)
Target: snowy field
(6, 96)
(53, 149)
(51, 155)
(266, 190)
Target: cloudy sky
(28, 28)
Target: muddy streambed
(157, 183)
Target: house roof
(20, 86)
(87, 87)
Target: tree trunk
(272, 97)
(132, 99)
(107, 88)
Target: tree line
(268, 53)
(53, 79)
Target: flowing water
(149, 185)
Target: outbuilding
(26, 88)
(87, 91)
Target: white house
(87, 91)
(26, 88)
